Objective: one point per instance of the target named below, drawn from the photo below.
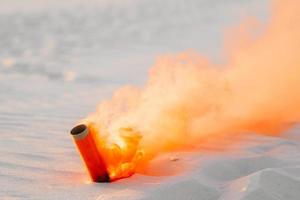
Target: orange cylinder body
(86, 142)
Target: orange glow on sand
(187, 98)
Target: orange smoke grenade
(86, 142)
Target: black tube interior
(78, 129)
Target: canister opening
(78, 129)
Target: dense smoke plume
(188, 98)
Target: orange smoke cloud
(188, 98)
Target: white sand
(54, 72)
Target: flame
(188, 98)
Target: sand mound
(266, 184)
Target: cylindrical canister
(86, 142)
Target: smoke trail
(187, 98)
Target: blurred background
(59, 59)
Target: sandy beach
(58, 60)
